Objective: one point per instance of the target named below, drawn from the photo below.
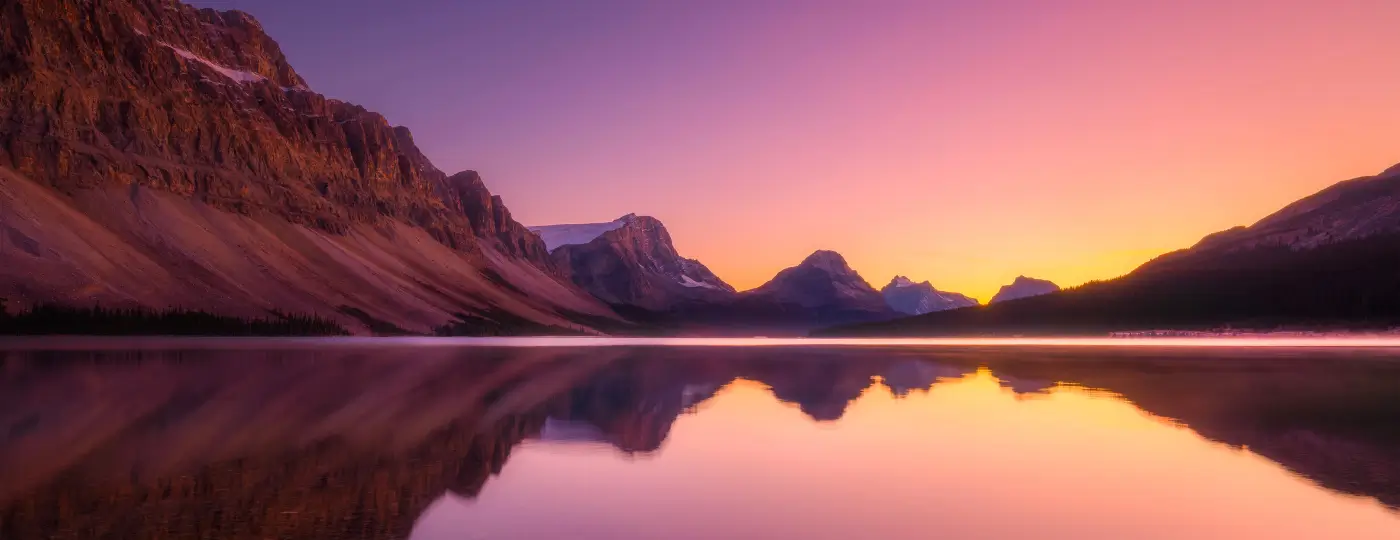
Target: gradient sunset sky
(962, 142)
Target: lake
(434, 439)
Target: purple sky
(964, 142)
(489, 85)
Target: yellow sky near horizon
(964, 143)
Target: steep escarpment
(158, 155)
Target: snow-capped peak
(901, 281)
(555, 236)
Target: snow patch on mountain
(555, 236)
(690, 282)
(236, 75)
(905, 296)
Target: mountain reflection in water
(677, 442)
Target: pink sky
(960, 142)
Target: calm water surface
(395, 439)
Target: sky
(961, 142)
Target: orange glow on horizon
(967, 146)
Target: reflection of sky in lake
(970, 458)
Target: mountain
(631, 261)
(556, 236)
(1024, 287)
(909, 298)
(1349, 210)
(823, 281)
(1324, 262)
(632, 264)
(821, 291)
(159, 156)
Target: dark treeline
(50, 319)
(1347, 285)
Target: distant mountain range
(909, 298)
(166, 163)
(1326, 261)
(632, 264)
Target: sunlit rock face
(161, 155)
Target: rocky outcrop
(632, 261)
(111, 104)
(490, 219)
(1024, 287)
(909, 298)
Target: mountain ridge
(1023, 287)
(1322, 262)
(162, 156)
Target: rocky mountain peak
(901, 281)
(905, 296)
(828, 261)
(631, 260)
(1024, 287)
(824, 280)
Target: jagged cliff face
(112, 104)
(635, 263)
